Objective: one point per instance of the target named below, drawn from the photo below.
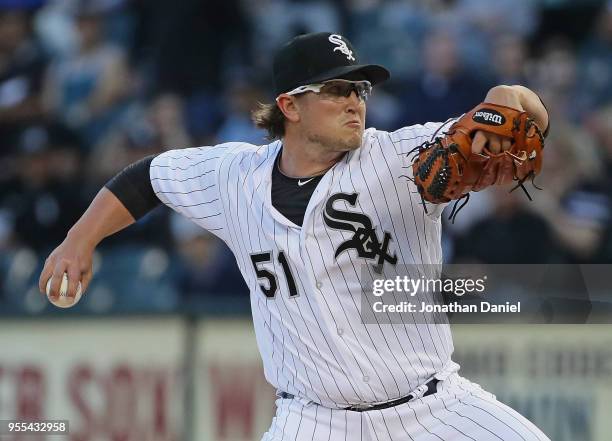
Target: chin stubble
(331, 144)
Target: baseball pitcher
(308, 215)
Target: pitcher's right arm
(124, 199)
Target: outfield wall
(169, 379)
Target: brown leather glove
(446, 169)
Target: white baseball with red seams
(63, 301)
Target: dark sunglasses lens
(339, 89)
(348, 89)
(345, 89)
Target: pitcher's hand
(72, 257)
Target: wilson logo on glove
(489, 116)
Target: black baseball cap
(313, 58)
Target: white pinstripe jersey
(305, 298)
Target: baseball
(63, 301)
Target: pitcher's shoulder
(243, 149)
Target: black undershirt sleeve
(132, 186)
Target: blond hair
(270, 118)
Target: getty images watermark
(477, 293)
(449, 287)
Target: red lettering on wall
(30, 393)
(233, 389)
(79, 379)
(160, 399)
(121, 403)
(116, 403)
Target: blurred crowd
(89, 86)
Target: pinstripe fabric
(459, 411)
(306, 292)
(299, 419)
(312, 341)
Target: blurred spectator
(147, 129)
(444, 89)
(57, 29)
(600, 125)
(192, 44)
(46, 198)
(241, 99)
(208, 266)
(276, 21)
(596, 62)
(509, 60)
(479, 206)
(383, 110)
(518, 17)
(192, 48)
(586, 212)
(59, 32)
(88, 89)
(519, 235)
(22, 66)
(443, 54)
(555, 76)
(571, 157)
(577, 201)
(478, 23)
(388, 33)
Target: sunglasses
(336, 89)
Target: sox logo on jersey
(365, 239)
(307, 284)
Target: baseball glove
(446, 169)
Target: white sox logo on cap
(321, 56)
(341, 46)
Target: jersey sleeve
(407, 139)
(186, 180)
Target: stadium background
(161, 347)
